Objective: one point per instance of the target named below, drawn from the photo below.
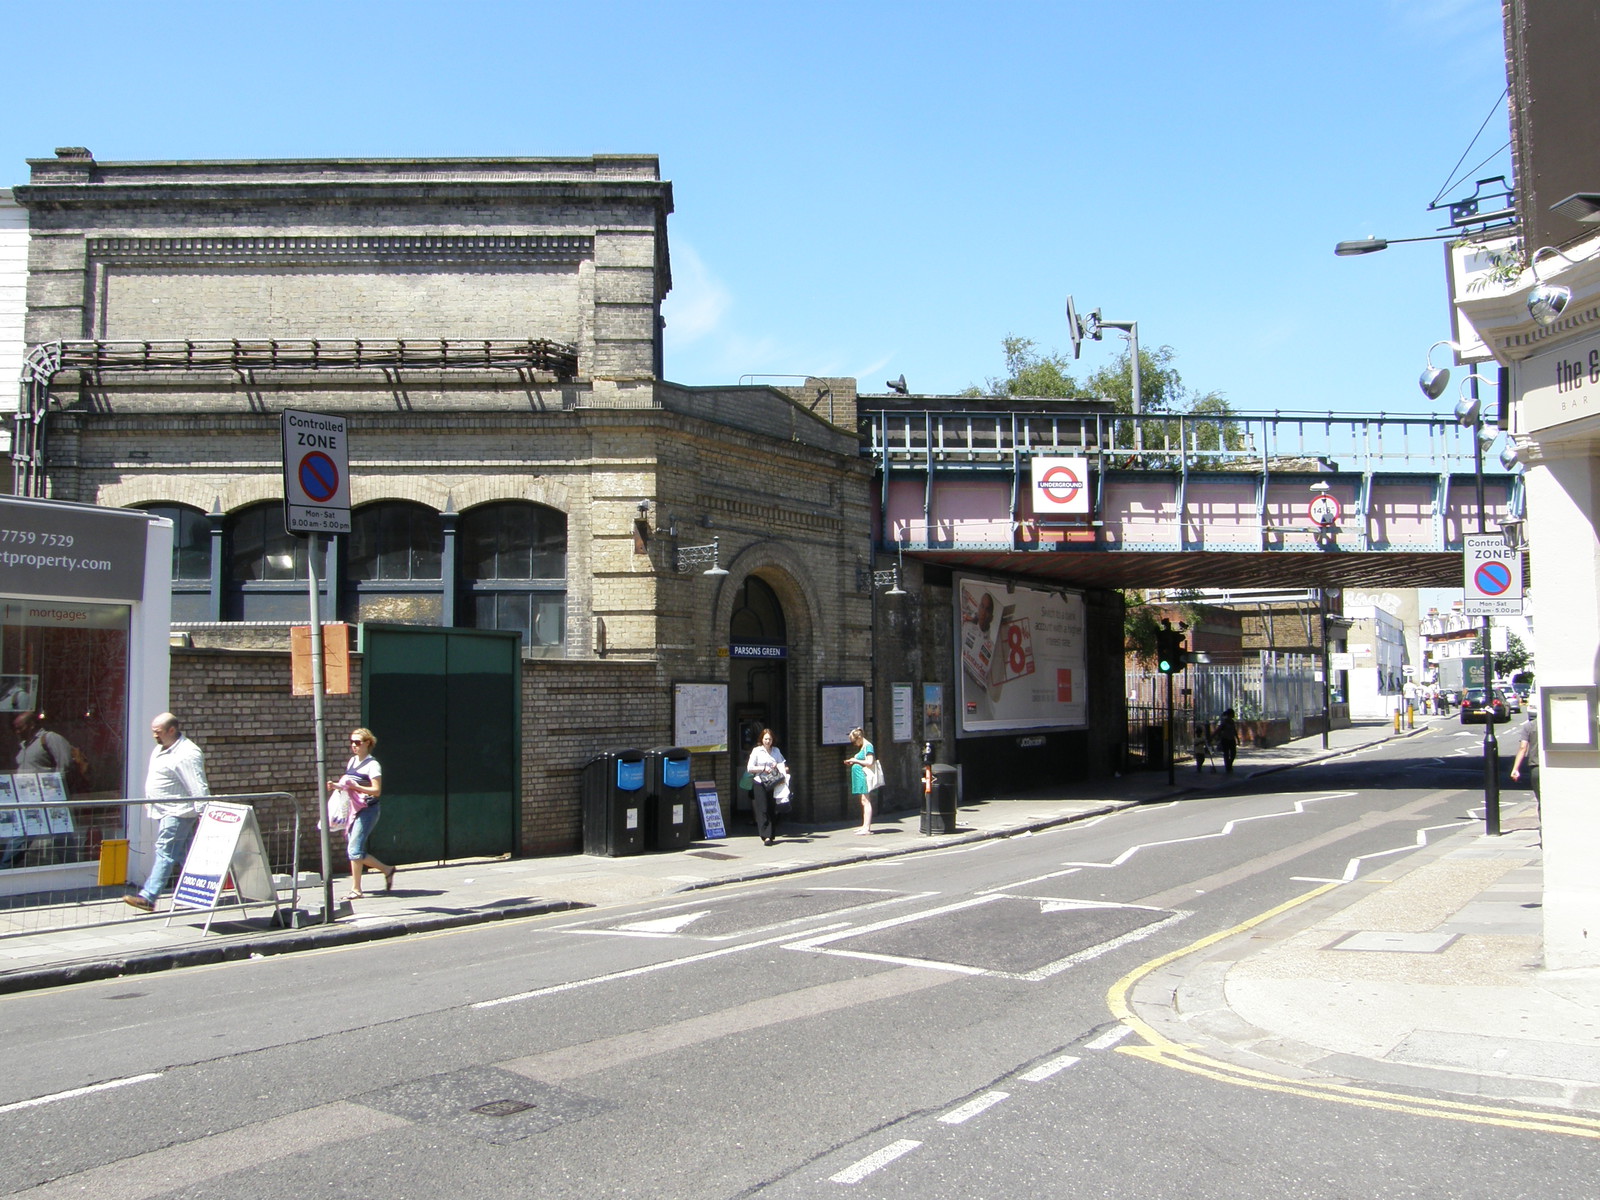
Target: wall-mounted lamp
(691, 556)
(1434, 380)
(1510, 453)
(1513, 534)
(1547, 301)
(868, 580)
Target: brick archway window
(514, 571)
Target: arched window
(394, 564)
(757, 615)
(266, 573)
(191, 560)
(514, 571)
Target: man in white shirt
(177, 774)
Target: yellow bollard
(1397, 720)
(1411, 716)
(113, 862)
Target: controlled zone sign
(316, 473)
(1493, 576)
(1060, 485)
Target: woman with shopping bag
(769, 776)
(866, 776)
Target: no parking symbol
(1493, 576)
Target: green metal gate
(447, 709)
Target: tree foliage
(1507, 662)
(1032, 372)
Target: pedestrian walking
(362, 784)
(863, 769)
(1202, 747)
(1228, 740)
(769, 774)
(1528, 752)
(176, 782)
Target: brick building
(491, 331)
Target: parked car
(1479, 705)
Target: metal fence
(1262, 442)
(1277, 687)
(38, 840)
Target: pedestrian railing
(41, 842)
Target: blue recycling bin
(613, 803)
(671, 816)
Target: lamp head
(1510, 453)
(1434, 380)
(1547, 301)
(1467, 410)
(1361, 246)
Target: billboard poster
(1023, 659)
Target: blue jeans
(172, 843)
(360, 829)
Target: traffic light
(1171, 654)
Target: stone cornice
(187, 196)
(370, 249)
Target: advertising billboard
(1022, 661)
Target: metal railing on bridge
(1253, 442)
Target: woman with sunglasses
(363, 782)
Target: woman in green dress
(860, 764)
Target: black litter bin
(613, 803)
(939, 805)
(670, 815)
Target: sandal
(388, 879)
(358, 896)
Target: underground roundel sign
(1060, 485)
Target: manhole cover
(501, 1108)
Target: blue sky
(871, 189)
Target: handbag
(770, 776)
(875, 778)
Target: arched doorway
(758, 672)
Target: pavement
(1423, 972)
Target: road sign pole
(313, 549)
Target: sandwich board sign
(226, 842)
(1493, 576)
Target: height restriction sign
(1493, 576)
(316, 473)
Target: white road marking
(1353, 867)
(82, 1091)
(1083, 956)
(856, 1172)
(1056, 1065)
(972, 1108)
(1109, 1038)
(672, 924)
(636, 971)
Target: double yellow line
(1165, 1052)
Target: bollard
(1411, 716)
(1397, 720)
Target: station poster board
(700, 717)
(1022, 660)
(843, 707)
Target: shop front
(85, 601)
